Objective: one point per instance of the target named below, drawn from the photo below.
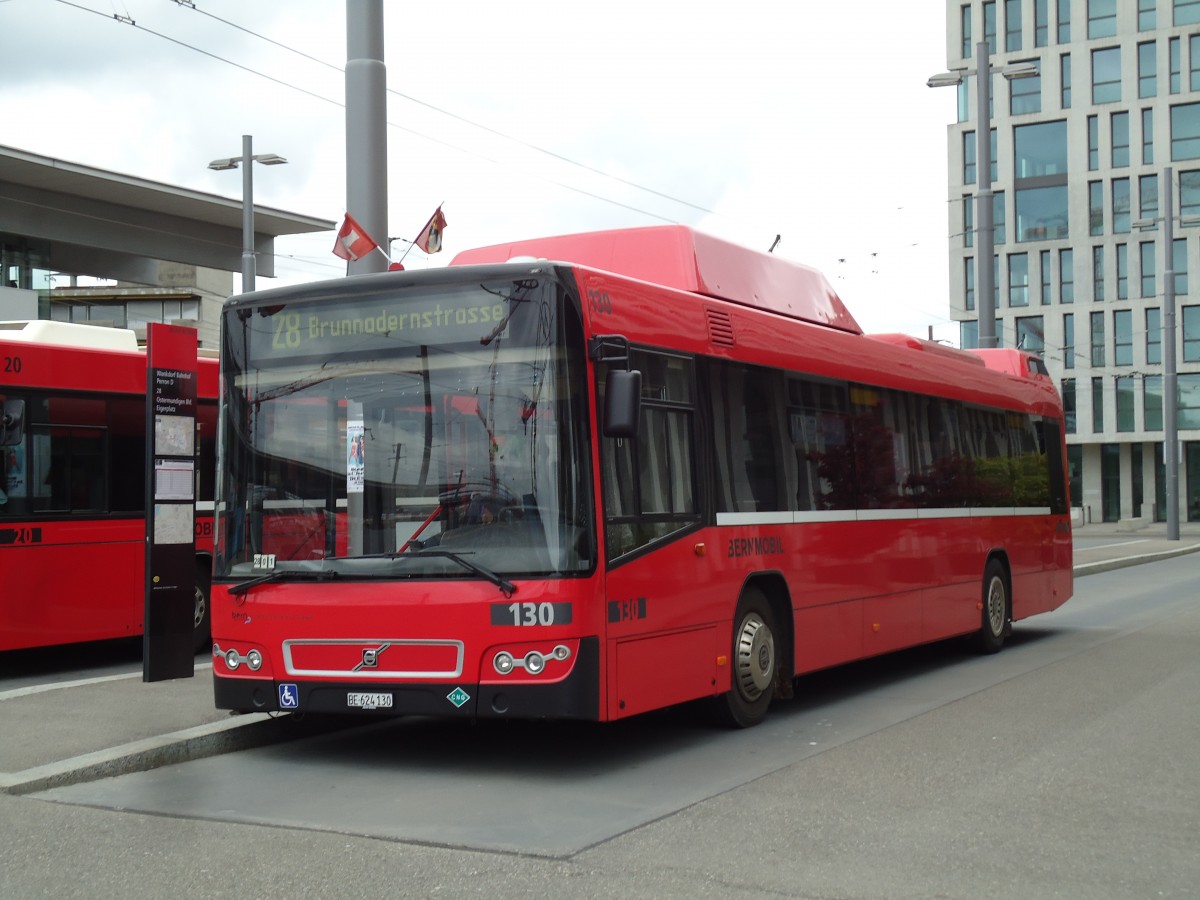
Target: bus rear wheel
(755, 659)
(997, 609)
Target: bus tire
(202, 609)
(996, 616)
(755, 658)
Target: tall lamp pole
(1170, 380)
(1170, 397)
(249, 266)
(985, 228)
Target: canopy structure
(111, 225)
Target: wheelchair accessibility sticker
(289, 697)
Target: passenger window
(649, 483)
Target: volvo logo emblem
(370, 657)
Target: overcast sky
(805, 119)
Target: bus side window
(649, 481)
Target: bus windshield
(391, 433)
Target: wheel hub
(755, 665)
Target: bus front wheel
(997, 609)
(755, 660)
(201, 610)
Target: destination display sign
(473, 316)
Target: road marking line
(82, 682)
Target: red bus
(594, 475)
(72, 503)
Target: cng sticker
(458, 697)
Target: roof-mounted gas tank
(679, 257)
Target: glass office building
(1078, 159)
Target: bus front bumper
(575, 697)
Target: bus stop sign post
(171, 388)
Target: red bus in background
(595, 475)
(72, 503)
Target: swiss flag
(352, 242)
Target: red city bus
(594, 475)
(72, 504)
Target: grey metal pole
(1170, 397)
(248, 263)
(985, 299)
(366, 127)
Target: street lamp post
(245, 161)
(1170, 380)
(985, 228)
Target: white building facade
(1079, 155)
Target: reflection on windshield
(381, 444)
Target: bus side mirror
(622, 403)
(12, 426)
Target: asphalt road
(1063, 767)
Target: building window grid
(1122, 271)
(1025, 95)
(1121, 203)
(1120, 206)
(1191, 333)
(1152, 411)
(1097, 405)
(1106, 75)
(1147, 137)
(1125, 394)
(1123, 337)
(1102, 18)
(1044, 274)
(1093, 143)
(1065, 79)
(1148, 197)
(1018, 279)
(1120, 139)
(1186, 12)
(1097, 344)
(1069, 340)
(1147, 20)
(1012, 25)
(968, 49)
(1153, 336)
(1066, 276)
(1173, 64)
(1148, 271)
(1095, 208)
(1147, 69)
(1041, 23)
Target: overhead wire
(190, 4)
(251, 70)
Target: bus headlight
(503, 662)
(534, 662)
(232, 660)
(254, 660)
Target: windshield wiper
(238, 589)
(499, 581)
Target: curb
(1109, 564)
(241, 733)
